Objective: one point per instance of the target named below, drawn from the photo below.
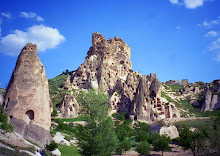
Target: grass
(169, 99)
(68, 150)
(30, 148)
(175, 87)
(7, 152)
(56, 91)
(79, 118)
(192, 111)
(56, 83)
(196, 124)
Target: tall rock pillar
(27, 100)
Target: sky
(176, 39)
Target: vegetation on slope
(184, 106)
(56, 91)
(4, 124)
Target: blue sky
(176, 39)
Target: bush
(153, 135)
(54, 113)
(122, 116)
(114, 115)
(142, 136)
(124, 131)
(5, 126)
(68, 138)
(52, 146)
(143, 148)
(162, 144)
(123, 146)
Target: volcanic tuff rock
(69, 107)
(212, 98)
(106, 62)
(27, 99)
(1, 98)
(108, 66)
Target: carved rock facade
(107, 65)
(69, 107)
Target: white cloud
(40, 19)
(209, 24)
(44, 37)
(31, 15)
(178, 27)
(192, 4)
(174, 1)
(7, 15)
(0, 27)
(211, 34)
(215, 47)
(217, 57)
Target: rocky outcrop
(1, 98)
(170, 131)
(27, 100)
(212, 97)
(106, 62)
(108, 66)
(69, 107)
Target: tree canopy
(98, 137)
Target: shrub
(162, 144)
(143, 148)
(123, 146)
(118, 91)
(124, 131)
(54, 113)
(114, 115)
(5, 126)
(52, 146)
(122, 116)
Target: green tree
(142, 131)
(124, 131)
(192, 140)
(123, 146)
(213, 136)
(98, 137)
(143, 148)
(161, 143)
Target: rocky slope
(1, 98)
(27, 99)
(212, 97)
(193, 97)
(108, 66)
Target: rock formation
(69, 107)
(106, 62)
(1, 98)
(108, 66)
(170, 131)
(212, 97)
(27, 100)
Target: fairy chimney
(27, 100)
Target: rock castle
(107, 65)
